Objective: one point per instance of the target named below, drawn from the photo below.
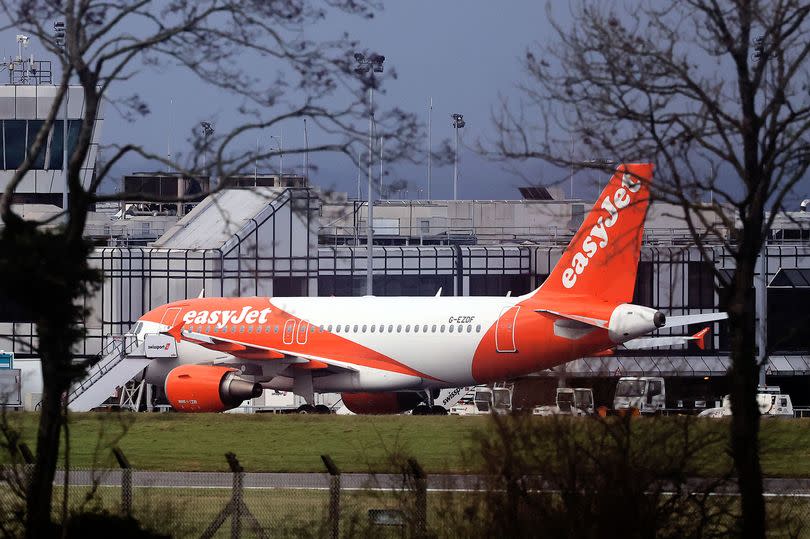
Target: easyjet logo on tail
(599, 237)
(248, 315)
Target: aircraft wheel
(306, 409)
(322, 409)
(438, 410)
(421, 410)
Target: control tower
(27, 94)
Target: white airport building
(279, 236)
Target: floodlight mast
(458, 123)
(60, 40)
(372, 64)
(208, 129)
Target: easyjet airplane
(389, 354)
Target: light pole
(430, 113)
(60, 39)
(458, 123)
(280, 141)
(372, 64)
(208, 129)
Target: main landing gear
(429, 408)
(317, 409)
(423, 409)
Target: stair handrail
(118, 348)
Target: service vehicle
(645, 394)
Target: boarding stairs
(118, 363)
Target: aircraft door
(289, 332)
(303, 330)
(505, 330)
(170, 316)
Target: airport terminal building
(280, 236)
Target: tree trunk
(744, 377)
(40, 489)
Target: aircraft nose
(659, 319)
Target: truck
(643, 394)
(492, 400)
(577, 401)
(772, 403)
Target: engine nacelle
(394, 402)
(205, 388)
(629, 321)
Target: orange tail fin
(602, 259)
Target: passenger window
(355, 328)
(275, 329)
(469, 328)
(408, 328)
(372, 328)
(450, 328)
(233, 329)
(390, 328)
(338, 328)
(329, 329)
(433, 328)
(250, 329)
(399, 328)
(460, 328)
(478, 328)
(258, 329)
(365, 327)
(424, 328)
(312, 329)
(442, 328)
(416, 328)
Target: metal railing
(114, 353)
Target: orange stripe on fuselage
(317, 343)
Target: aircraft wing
(250, 351)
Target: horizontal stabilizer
(688, 319)
(645, 343)
(584, 319)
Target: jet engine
(629, 321)
(205, 388)
(393, 402)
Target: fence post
(236, 497)
(420, 484)
(334, 496)
(126, 481)
(28, 467)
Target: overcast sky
(460, 53)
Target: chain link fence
(331, 505)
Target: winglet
(700, 338)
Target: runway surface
(352, 481)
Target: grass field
(292, 443)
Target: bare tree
(107, 44)
(706, 89)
